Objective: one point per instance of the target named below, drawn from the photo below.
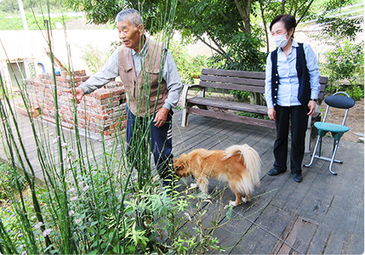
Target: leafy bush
(189, 68)
(105, 203)
(253, 115)
(243, 53)
(94, 58)
(8, 182)
(345, 65)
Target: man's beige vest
(143, 89)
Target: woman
(291, 91)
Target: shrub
(108, 203)
(345, 68)
(8, 182)
(189, 67)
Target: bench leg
(307, 145)
(184, 119)
(308, 135)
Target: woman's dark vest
(304, 91)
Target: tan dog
(239, 165)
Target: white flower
(55, 140)
(77, 221)
(72, 190)
(188, 216)
(86, 188)
(71, 212)
(38, 225)
(24, 252)
(47, 232)
(73, 198)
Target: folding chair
(338, 100)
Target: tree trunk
(22, 14)
(265, 28)
(244, 11)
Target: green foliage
(8, 182)
(340, 28)
(253, 115)
(345, 65)
(346, 61)
(94, 58)
(11, 6)
(101, 12)
(355, 91)
(189, 68)
(92, 204)
(243, 53)
(14, 22)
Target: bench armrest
(184, 94)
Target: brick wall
(102, 111)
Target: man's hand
(79, 94)
(161, 117)
(312, 106)
(272, 113)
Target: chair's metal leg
(333, 158)
(320, 146)
(314, 153)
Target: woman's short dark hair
(288, 20)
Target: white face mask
(280, 40)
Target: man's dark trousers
(298, 118)
(160, 139)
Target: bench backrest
(241, 80)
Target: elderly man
(152, 89)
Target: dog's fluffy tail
(252, 162)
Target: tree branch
(283, 6)
(217, 44)
(305, 11)
(244, 13)
(262, 9)
(210, 46)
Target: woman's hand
(311, 106)
(272, 113)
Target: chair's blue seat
(336, 130)
(330, 127)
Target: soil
(355, 120)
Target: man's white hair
(129, 14)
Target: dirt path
(355, 120)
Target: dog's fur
(239, 165)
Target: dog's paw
(193, 185)
(244, 200)
(232, 203)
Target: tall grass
(90, 202)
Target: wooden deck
(323, 214)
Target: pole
(22, 14)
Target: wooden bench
(225, 81)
